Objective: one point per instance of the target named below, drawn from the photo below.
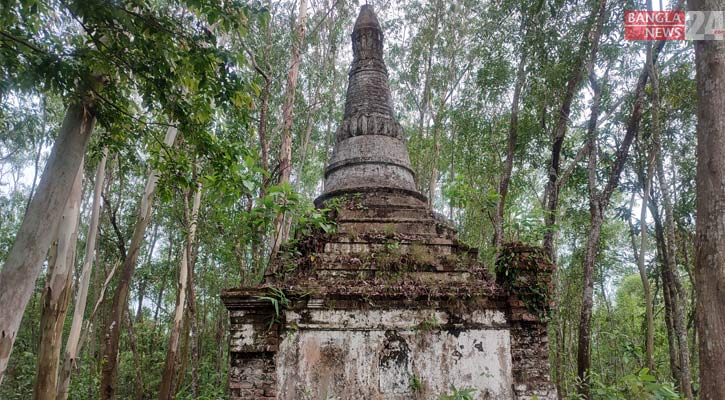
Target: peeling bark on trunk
(710, 225)
(144, 283)
(166, 390)
(71, 347)
(57, 293)
(285, 156)
(111, 331)
(24, 262)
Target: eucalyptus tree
(146, 51)
(73, 341)
(285, 154)
(21, 269)
(185, 272)
(480, 88)
(57, 293)
(119, 307)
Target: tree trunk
(433, 182)
(263, 112)
(649, 315)
(139, 386)
(36, 166)
(675, 369)
(159, 299)
(285, 156)
(425, 101)
(264, 99)
(142, 285)
(513, 134)
(596, 215)
(668, 295)
(167, 377)
(311, 112)
(166, 390)
(192, 314)
(654, 151)
(219, 338)
(603, 199)
(572, 87)
(676, 292)
(24, 262)
(71, 346)
(193, 335)
(112, 331)
(331, 105)
(162, 289)
(89, 324)
(452, 170)
(583, 350)
(710, 225)
(57, 293)
(183, 357)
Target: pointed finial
(370, 152)
(367, 38)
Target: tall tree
(112, 329)
(676, 292)
(285, 158)
(587, 50)
(57, 293)
(71, 346)
(641, 264)
(599, 201)
(22, 267)
(710, 239)
(513, 134)
(190, 219)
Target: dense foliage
(216, 70)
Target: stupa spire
(370, 152)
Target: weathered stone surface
(373, 347)
(381, 363)
(369, 149)
(369, 338)
(391, 306)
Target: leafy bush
(641, 385)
